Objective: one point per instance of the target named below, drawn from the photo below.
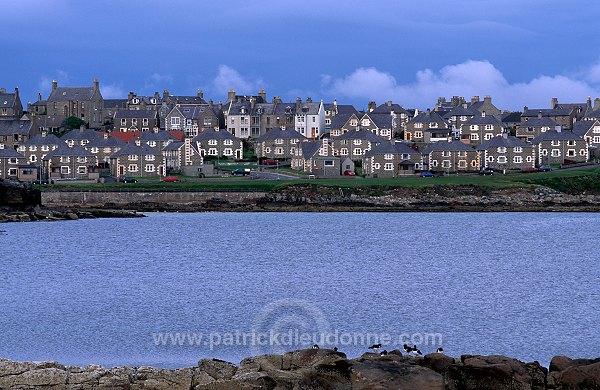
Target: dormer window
(366, 122)
(136, 101)
(153, 101)
(433, 125)
(242, 110)
(353, 122)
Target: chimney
(455, 101)
(428, 112)
(165, 95)
(388, 103)
(298, 102)
(371, 106)
(540, 114)
(2, 90)
(308, 100)
(525, 108)
(39, 96)
(263, 95)
(596, 103)
(200, 94)
(441, 100)
(231, 95)
(17, 92)
(252, 102)
(474, 99)
(105, 135)
(130, 96)
(96, 84)
(554, 102)
(210, 102)
(487, 99)
(276, 99)
(157, 95)
(54, 84)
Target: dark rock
(438, 362)
(389, 374)
(575, 374)
(72, 216)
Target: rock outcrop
(316, 369)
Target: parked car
(241, 171)
(426, 174)
(170, 179)
(486, 172)
(545, 168)
(129, 179)
(349, 173)
(270, 161)
(529, 170)
(41, 181)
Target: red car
(170, 179)
(349, 173)
(529, 170)
(270, 161)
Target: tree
(72, 122)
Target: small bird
(440, 350)
(383, 353)
(316, 346)
(407, 349)
(375, 347)
(335, 349)
(416, 351)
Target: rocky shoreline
(37, 213)
(316, 369)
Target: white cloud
(228, 78)
(45, 83)
(112, 91)
(467, 79)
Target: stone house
(135, 102)
(81, 136)
(10, 160)
(343, 123)
(214, 143)
(480, 128)
(379, 124)
(111, 106)
(180, 154)
(316, 158)
(506, 153)
(10, 105)
(285, 114)
(136, 120)
(588, 130)
(103, 148)
(36, 148)
(15, 132)
(449, 156)
(426, 127)
(531, 127)
(67, 162)
(192, 120)
(38, 107)
(398, 114)
(85, 103)
(333, 110)
(560, 147)
(278, 144)
(137, 161)
(485, 106)
(391, 159)
(249, 119)
(355, 143)
(458, 116)
(154, 139)
(563, 114)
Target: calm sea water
(105, 291)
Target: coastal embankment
(308, 197)
(317, 369)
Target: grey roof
(594, 114)
(511, 117)
(135, 114)
(389, 147)
(558, 111)
(235, 108)
(582, 127)
(308, 108)
(279, 133)
(187, 100)
(553, 135)
(386, 108)
(115, 103)
(310, 148)
(110, 142)
(539, 122)
(496, 142)
(460, 110)
(49, 139)
(15, 126)
(132, 148)
(484, 120)
(175, 145)
(345, 109)
(82, 134)
(428, 117)
(38, 103)
(338, 121)
(190, 112)
(7, 100)
(361, 134)
(161, 135)
(10, 153)
(382, 121)
(71, 93)
(64, 150)
(282, 108)
(443, 146)
(213, 134)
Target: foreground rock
(38, 213)
(316, 369)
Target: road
(273, 175)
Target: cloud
(45, 83)
(228, 78)
(112, 91)
(156, 81)
(466, 79)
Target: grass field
(575, 180)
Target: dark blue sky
(520, 52)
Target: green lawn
(577, 180)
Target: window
(501, 159)
(94, 149)
(462, 154)
(64, 170)
(64, 159)
(366, 122)
(279, 150)
(544, 152)
(329, 163)
(433, 125)
(596, 139)
(388, 156)
(81, 159)
(149, 168)
(13, 160)
(555, 153)
(489, 127)
(344, 151)
(596, 129)
(462, 164)
(490, 158)
(33, 158)
(175, 121)
(418, 125)
(517, 159)
(45, 148)
(445, 153)
(233, 121)
(376, 166)
(501, 149)
(544, 129)
(279, 141)
(228, 142)
(357, 151)
(446, 164)
(150, 157)
(474, 137)
(144, 121)
(571, 142)
(133, 157)
(388, 167)
(529, 159)
(212, 142)
(463, 118)
(123, 122)
(571, 153)
(488, 136)
(354, 122)
(32, 148)
(518, 149)
(434, 163)
(473, 127)
(582, 152)
(82, 170)
(357, 141)
(133, 168)
(418, 134)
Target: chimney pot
(54, 84)
(554, 102)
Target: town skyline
(521, 54)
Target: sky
(519, 52)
